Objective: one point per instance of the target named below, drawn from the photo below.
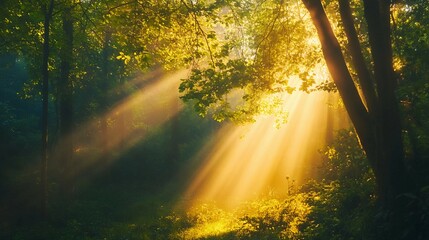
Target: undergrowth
(341, 204)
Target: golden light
(152, 105)
(106, 137)
(246, 162)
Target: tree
(374, 113)
(25, 26)
(110, 42)
(65, 96)
(378, 125)
(47, 10)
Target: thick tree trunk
(66, 103)
(379, 130)
(47, 11)
(393, 178)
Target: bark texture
(378, 125)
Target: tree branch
(201, 30)
(270, 28)
(121, 5)
(85, 13)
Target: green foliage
(244, 55)
(345, 161)
(266, 218)
(274, 219)
(411, 41)
(211, 87)
(262, 49)
(343, 202)
(341, 205)
(411, 44)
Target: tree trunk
(358, 60)
(378, 129)
(66, 103)
(47, 11)
(340, 74)
(393, 178)
(104, 86)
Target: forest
(214, 119)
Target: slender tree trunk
(340, 74)
(66, 103)
(47, 11)
(104, 101)
(365, 79)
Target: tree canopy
(243, 57)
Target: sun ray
(153, 104)
(244, 162)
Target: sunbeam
(154, 103)
(245, 162)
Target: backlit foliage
(339, 205)
(258, 48)
(266, 218)
(343, 201)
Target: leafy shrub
(343, 201)
(266, 218)
(339, 205)
(274, 218)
